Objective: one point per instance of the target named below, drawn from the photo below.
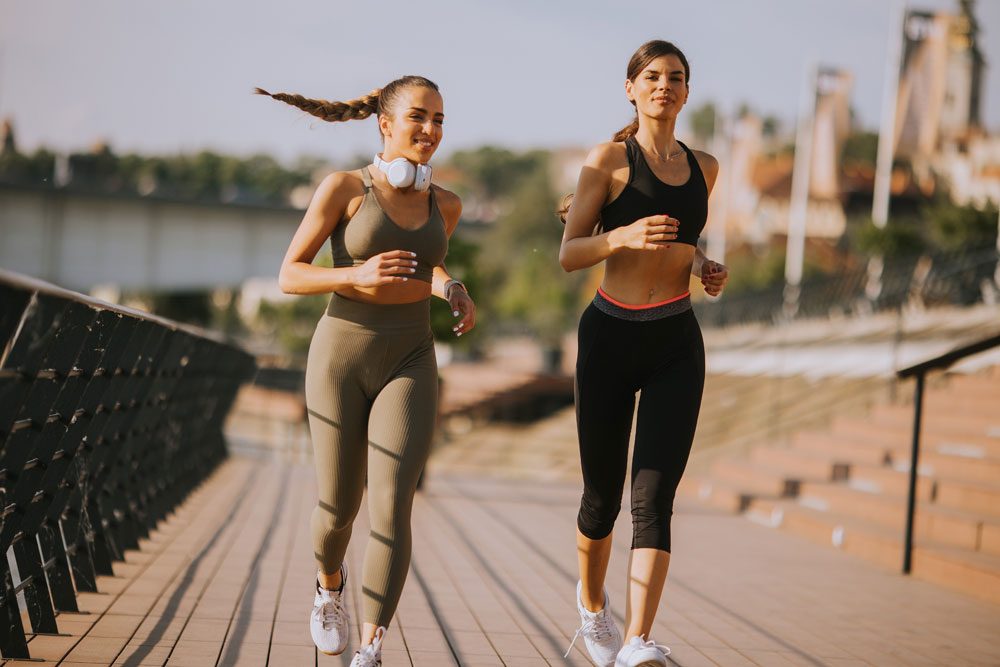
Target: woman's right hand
(650, 233)
(385, 268)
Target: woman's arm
(713, 274)
(327, 208)
(458, 299)
(580, 247)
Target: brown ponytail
(627, 131)
(333, 112)
(379, 101)
(563, 209)
(644, 55)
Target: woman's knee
(597, 515)
(326, 520)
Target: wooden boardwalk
(228, 581)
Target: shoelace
(330, 609)
(370, 655)
(601, 627)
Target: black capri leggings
(659, 351)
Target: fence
(108, 418)
(933, 279)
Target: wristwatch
(451, 283)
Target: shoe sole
(329, 652)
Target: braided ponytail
(379, 101)
(333, 112)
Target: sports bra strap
(366, 178)
(631, 149)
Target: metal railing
(931, 279)
(109, 417)
(919, 371)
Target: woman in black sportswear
(640, 205)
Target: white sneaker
(639, 653)
(329, 619)
(370, 655)
(600, 634)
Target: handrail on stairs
(919, 371)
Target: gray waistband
(642, 314)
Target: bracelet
(451, 283)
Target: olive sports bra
(371, 231)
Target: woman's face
(415, 126)
(660, 90)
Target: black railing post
(911, 500)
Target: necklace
(669, 157)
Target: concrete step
(802, 465)
(975, 384)
(898, 440)
(976, 574)
(940, 423)
(973, 573)
(890, 481)
(990, 543)
(864, 429)
(754, 479)
(950, 400)
(980, 497)
(971, 468)
(841, 449)
(933, 523)
(715, 493)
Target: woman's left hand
(462, 306)
(714, 277)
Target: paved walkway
(227, 581)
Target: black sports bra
(646, 195)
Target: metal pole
(798, 206)
(722, 144)
(887, 128)
(911, 500)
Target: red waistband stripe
(645, 306)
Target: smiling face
(660, 89)
(413, 127)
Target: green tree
(463, 264)
(529, 287)
(860, 147)
(901, 237)
(956, 228)
(702, 121)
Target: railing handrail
(43, 287)
(943, 361)
(919, 372)
(109, 417)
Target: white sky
(176, 76)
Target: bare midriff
(642, 276)
(408, 292)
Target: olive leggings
(371, 395)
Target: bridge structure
(81, 239)
(133, 537)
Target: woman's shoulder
(608, 156)
(341, 184)
(709, 165)
(448, 202)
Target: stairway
(846, 485)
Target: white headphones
(402, 173)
